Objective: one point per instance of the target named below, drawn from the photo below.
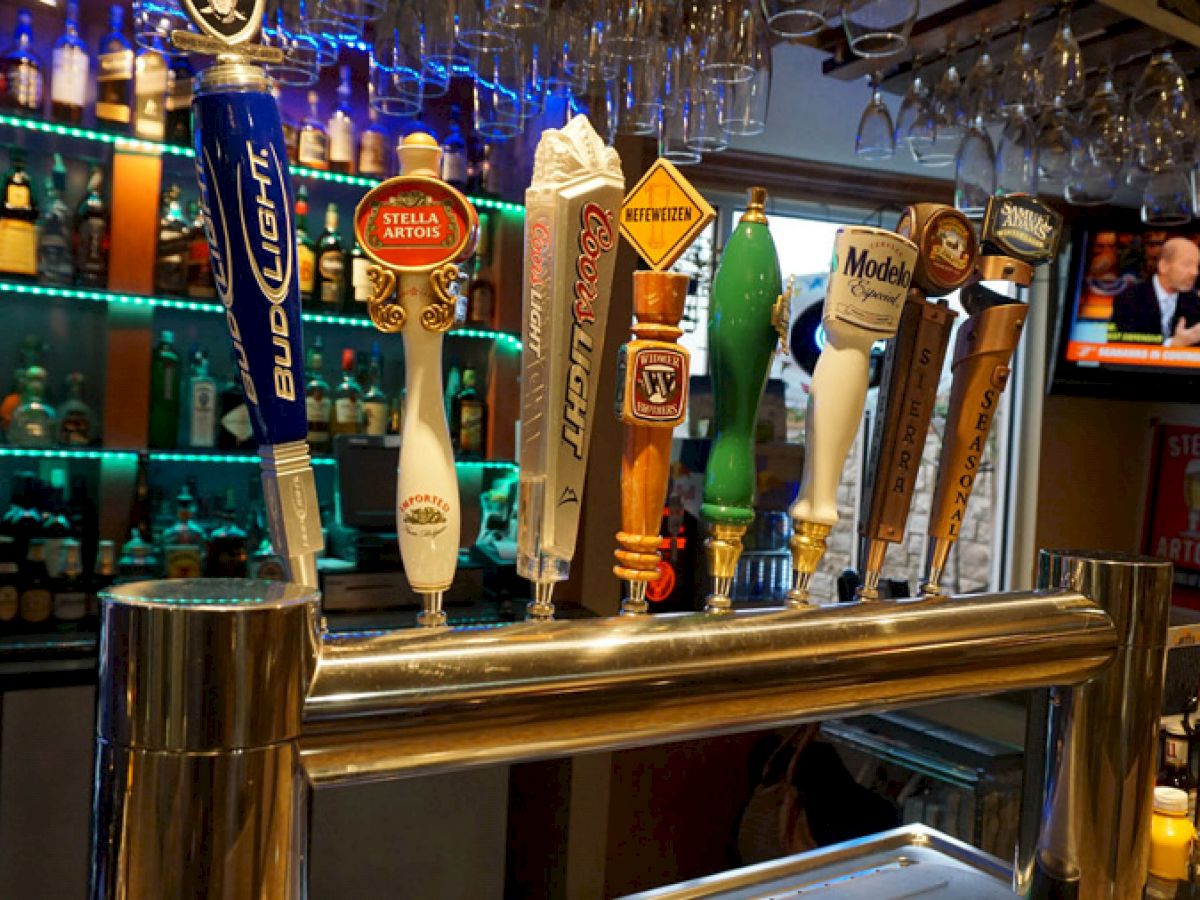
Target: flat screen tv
(1125, 328)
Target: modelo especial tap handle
(911, 371)
(1018, 233)
(246, 196)
(869, 278)
(416, 228)
(747, 319)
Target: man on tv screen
(1164, 308)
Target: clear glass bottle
(454, 153)
(91, 235)
(201, 403)
(18, 221)
(183, 543)
(70, 600)
(347, 400)
(165, 382)
(373, 148)
(34, 423)
(76, 421)
(358, 297)
(54, 230)
(22, 71)
(313, 148)
(114, 76)
(174, 236)
(317, 400)
(331, 264)
(374, 401)
(235, 432)
(70, 71)
(138, 560)
(341, 129)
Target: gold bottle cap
(756, 209)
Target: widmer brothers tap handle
(868, 281)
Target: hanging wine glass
(878, 27)
(1017, 154)
(981, 88)
(1106, 124)
(736, 40)
(798, 18)
(974, 171)
(1021, 84)
(916, 124)
(744, 103)
(876, 136)
(1056, 140)
(1162, 115)
(1062, 64)
(1167, 199)
(949, 116)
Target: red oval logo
(415, 223)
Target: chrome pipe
(1089, 781)
(384, 705)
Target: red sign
(1172, 529)
(415, 223)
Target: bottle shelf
(70, 293)
(180, 456)
(137, 144)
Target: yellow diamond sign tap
(662, 215)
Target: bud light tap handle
(868, 280)
(246, 195)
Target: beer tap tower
(1018, 233)
(868, 281)
(416, 228)
(747, 319)
(661, 216)
(912, 369)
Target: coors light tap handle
(747, 319)
(570, 249)
(246, 195)
(1018, 233)
(911, 371)
(868, 280)
(416, 228)
(661, 216)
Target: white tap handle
(428, 513)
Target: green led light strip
(128, 143)
(170, 456)
(65, 453)
(66, 293)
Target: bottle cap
(1170, 800)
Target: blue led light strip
(68, 293)
(128, 143)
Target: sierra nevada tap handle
(747, 319)
(246, 197)
(911, 371)
(868, 280)
(415, 227)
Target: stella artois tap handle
(911, 371)
(415, 228)
(747, 320)
(1018, 233)
(661, 216)
(868, 281)
(246, 198)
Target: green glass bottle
(742, 336)
(165, 378)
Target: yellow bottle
(1171, 836)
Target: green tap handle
(742, 335)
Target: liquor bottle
(76, 422)
(21, 73)
(183, 543)
(228, 550)
(306, 253)
(34, 423)
(374, 401)
(202, 403)
(70, 67)
(91, 235)
(313, 148)
(174, 237)
(138, 560)
(482, 302)
(54, 230)
(27, 523)
(36, 602)
(165, 378)
(235, 431)
(18, 221)
(359, 295)
(55, 528)
(331, 264)
(453, 386)
(104, 573)
(265, 564)
(12, 399)
(373, 148)
(10, 584)
(396, 413)
(317, 400)
(114, 77)
(454, 153)
(150, 90)
(179, 101)
(341, 129)
(200, 282)
(70, 594)
(469, 420)
(141, 511)
(291, 133)
(347, 400)
(1175, 771)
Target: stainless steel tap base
(432, 615)
(293, 514)
(635, 604)
(542, 607)
(719, 603)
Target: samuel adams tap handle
(246, 195)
